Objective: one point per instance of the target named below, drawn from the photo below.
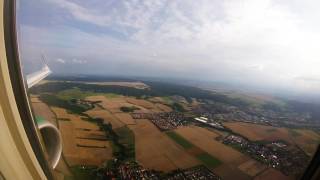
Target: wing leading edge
(36, 77)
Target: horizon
(214, 86)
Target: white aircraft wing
(36, 77)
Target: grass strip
(180, 140)
(208, 160)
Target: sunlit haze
(272, 44)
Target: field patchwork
(156, 150)
(83, 141)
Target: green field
(82, 173)
(180, 140)
(167, 99)
(208, 160)
(294, 133)
(204, 157)
(128, 108)
(76, 93)
(53, 100)
(126, 138)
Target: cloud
(78, 61)
(264, 42)
(61, 60)
(309, 79)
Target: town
(274, 154)
(133, 170)
(221, 112)
(164, 120)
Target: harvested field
(307, 140)
(140, 102)
(235, 164)
(157, 100)
(112, 104)
(143, 110)
(107, 116)
(82, 142)
(95, 98)
(89, 134)
(68, 139)
(125, 118)
(229, 172)
(156, 150)
(87, 142)
(255, 132)
(163, 107)
(204, 139)
(272, 174)
(43, 110)
(252, 167)
(205, 158)
(35, 99)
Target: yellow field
(163, 107)
(41, 109)
(156, 150)
(107, 116)
(140, 102)
(73, 131)
(125, 118)
(114, 104)
(257, 132)
(306, 139)
(157, 100)
(229, 172)
(252, 167)
(204, 139)
(235, 164)
(272, 174)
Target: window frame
(18, 84)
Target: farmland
(180, 140)
(152, 127)
(157, 151)
(107, 116)
(42, 110)
(78, 145)
(233, 163)
(305, 139)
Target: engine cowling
(52, 141)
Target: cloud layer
(267, 43)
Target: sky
(273, 44)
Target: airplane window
(173, 89)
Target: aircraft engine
(52, 141)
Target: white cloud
(78, 61)
(61, 60)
